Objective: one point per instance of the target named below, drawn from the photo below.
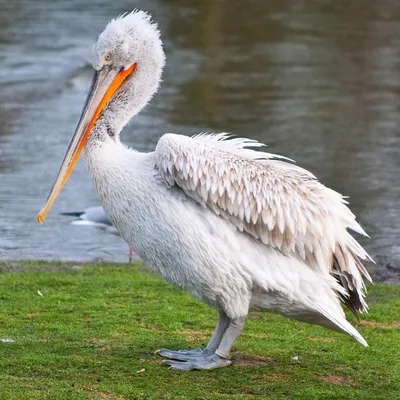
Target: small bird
(238, 229)
(95, 216)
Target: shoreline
(386, 269)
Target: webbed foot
(185, 355)
(210, 362)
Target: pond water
(316, 81)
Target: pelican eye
(107, 57)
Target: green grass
(93, 333)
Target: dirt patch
(86, 319)
(157, 360)
(195, 339)
(322, 339)
(247, 360)
(270, 378)
(254, 317)
(31, 315)
(104, 348)
(153, 327)
(101, 394)
(192, 335)
(119, 333)
(335, 379)
(374, 324)
(198, 332)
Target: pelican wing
(277, 202)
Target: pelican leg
(232, 333)
(187, 355)
(130, 255)
(220, 358)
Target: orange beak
(105, 83)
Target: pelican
(235, 227)
(95, 216)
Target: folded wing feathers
(278, 203)
(239, 146)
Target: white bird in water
(236, 228)
(95, 216)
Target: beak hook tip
(40, 218)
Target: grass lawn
(90, 332)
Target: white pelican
(236, 228)
(95, 216)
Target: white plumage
(238, 229)
(281, 204)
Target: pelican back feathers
(280, 204)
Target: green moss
(93, 332)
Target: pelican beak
(105, 83)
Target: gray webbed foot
(210, 362)
(185, 355)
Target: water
(317, 82)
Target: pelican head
(128, 61)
